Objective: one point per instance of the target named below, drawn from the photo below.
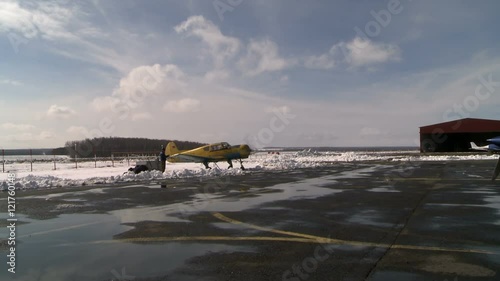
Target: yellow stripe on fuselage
(204, 154)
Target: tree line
(106, 146)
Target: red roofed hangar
(455, 136)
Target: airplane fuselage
(210, 153)
(494, 145)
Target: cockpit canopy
(219, 146)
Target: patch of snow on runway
(66, 175)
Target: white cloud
(142, 116)
(367, 131)
(17, 127)
(56, 111)
(21, 137)
(263, 56)
(284, 79)
(45, 19)
(77, 130)
(356, 53)
(45, 135)
(10, 82)
(13, 18)
(221, 47)
(318, 138)
(365, 52)
(139, 85)
(148, 80)
(216, 75)
(68, 29)
(324, 61)
(29, 137)
(282, 109)
(102, 104)
(183, 105)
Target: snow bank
(86, 174)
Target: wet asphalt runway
(347, 221)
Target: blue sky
(267, 73)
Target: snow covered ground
(65, 174)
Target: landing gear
(229, 161)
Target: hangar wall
(455, 136)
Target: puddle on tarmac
(304, 189)
(156, 213)
(382, 189)
(491, 201)
(398, 276)
(75, 200)
(310, 188)
(238, 227)
(358, 173)
(368, 217)
(494, 202)
(480, 190)
(74, 193)
(64, 248)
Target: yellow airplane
(215, 152)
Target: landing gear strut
(230, 163)
(241, 163)
(206, 165)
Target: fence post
(31, 159)
(55, 168)
(76, 158)
(128, 159)
(3, 160)
(112, 160)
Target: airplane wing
(473, 146)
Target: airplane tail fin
(473, 145)
(171, 148)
